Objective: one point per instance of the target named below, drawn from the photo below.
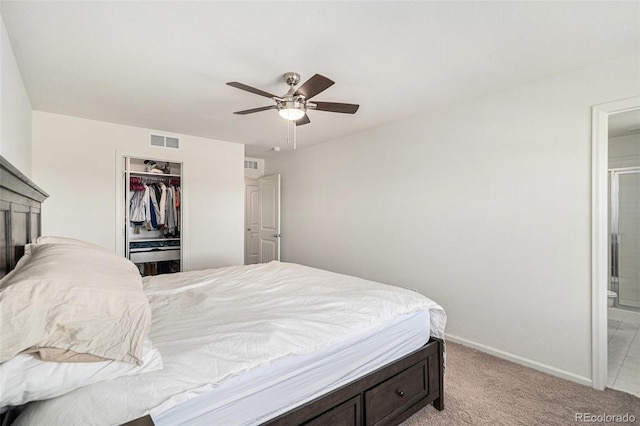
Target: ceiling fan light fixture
(291, 110)
(293, 105)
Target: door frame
(599, 233)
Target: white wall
(15, 109)
(484, 207)
(74, 160)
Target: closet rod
(154, 179)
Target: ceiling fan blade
(336, 107)
(303, 120)
(316, 84)
(251, 89)
(249, 111)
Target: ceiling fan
(294, 104)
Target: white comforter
(213, 324)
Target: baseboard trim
(522, 361)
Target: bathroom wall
(624, 151)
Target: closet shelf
(142, 239)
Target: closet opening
(153, 219)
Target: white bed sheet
(262, 394)
(213, 325)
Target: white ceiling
(164, 65)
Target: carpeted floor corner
(481, 389)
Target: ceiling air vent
(165, 141)
(251, 165)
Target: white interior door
(269, 234)
(252, 224)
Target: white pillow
(74, 298)
(51, 239)
(24, 378)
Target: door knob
(277, 235)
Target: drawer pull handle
(399, 393)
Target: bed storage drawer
(346, 414)
(396, 394)
(386, 396)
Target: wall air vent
(253, 167)
(164, 141)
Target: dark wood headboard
(20, 221)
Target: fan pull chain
(295, 138)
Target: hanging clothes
(147, 210)
(163, 203)
(178, 198)
(171, 214)
(155, 206)
(135, 184)
(138, 208)
(154, 210)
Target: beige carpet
(481, 389)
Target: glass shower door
(625, 234)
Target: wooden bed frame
(386, 396)
(19, 214)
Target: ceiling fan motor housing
(291, 78)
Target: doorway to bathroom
(613, 122)
(623, 160)
(623, 313)
(624, 215)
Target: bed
(272, 344)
